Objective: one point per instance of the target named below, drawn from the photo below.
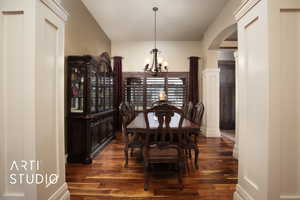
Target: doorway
(226, 64)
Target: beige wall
(176, 53)
(83, 34)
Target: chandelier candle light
(162, 96)
(157, 65)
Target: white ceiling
(133, 20)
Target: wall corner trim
(244, 8)
(212, 132)
(241, 194)
(235, 152)
(57, 8)
(61, 194)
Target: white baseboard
(289, 197)
(61, 194)
(12, 197)
(212, 132)
(236, 196)
(241, 194)
(235, 152)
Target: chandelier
(158, 65)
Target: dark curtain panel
(193, 80)
(117, 62)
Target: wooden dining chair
(198, 113)
(162, 144)
(192, 140)
(188, 110)
(131, 140)
(130, 109)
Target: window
(143, 90)
(134, 91)
(177, 91)
(153, 86)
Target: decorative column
(211, 101)
(118, 96)
(193, 80)
(237, 121)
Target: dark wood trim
(226, 62)
(291, 10)
(228, 48)
(14, 12)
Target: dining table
(138, 124)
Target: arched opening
(225, 44)
(229, 33)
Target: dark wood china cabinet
(90, 112)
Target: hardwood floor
(107, 179)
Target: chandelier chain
(157, 65)
(155, 24)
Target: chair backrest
(188, 110)
(122, 108)
(164, 135)
(130, 109)
(198, 113)
(156, 103)
(124, 112)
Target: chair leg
(190, 153)
(141, 155)
(126, 156)
(131, 152)
(196, 151)
(186, 152)
(180, 169)
(196, 157)
(146, 177)
(146, 166)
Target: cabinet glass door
(77, 89)
(107, 93)
(100, 94)
(111, 88)
(93, 92)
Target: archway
(224, 49)
(222, 36)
